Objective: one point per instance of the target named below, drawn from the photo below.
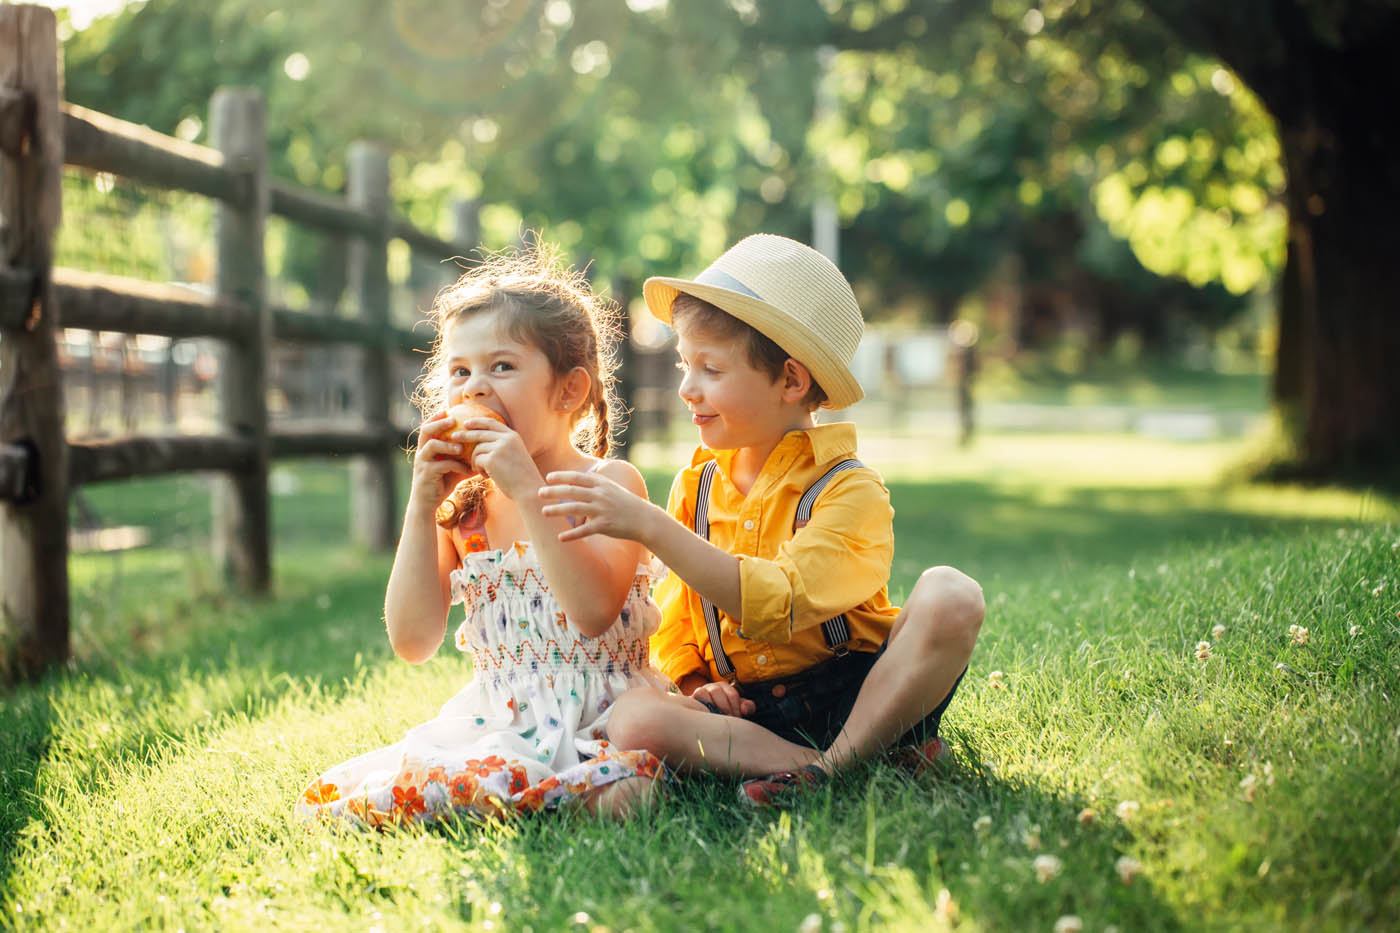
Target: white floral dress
(529, 731)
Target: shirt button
(748, 524)
(762, 659)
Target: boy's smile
(735, 405)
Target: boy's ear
(573, 388)
(797, 381)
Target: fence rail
(39, 134)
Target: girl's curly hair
(550, 305)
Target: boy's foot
(775, 788)
(924, 756)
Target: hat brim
(840, 385)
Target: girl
(556, 631)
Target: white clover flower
(997, 680)
(945, 907)
(1354, 631)
(982, 823)
(1247, 784)
(1046, 867)
(810, 924)
(1087, 816)
(1298, 634)
(1032, 838)
(1128, 868)
(1203, 650)
(1217, 630)
(1378, 590)
(1127, 810)
(1069, 923)
(1269, 773)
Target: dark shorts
(810, 707)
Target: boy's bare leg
(929, 647)
(686, 735)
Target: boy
(775, 614)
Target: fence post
(466, 223)
(34, 607)
(242, 525)
(374, 516)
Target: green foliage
(969, 142)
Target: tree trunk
(1288, 355)
(1326, 72)
(1343, 265)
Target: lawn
(1113, 770)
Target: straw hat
(791, 294)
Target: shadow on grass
(1008, 533)
(873, 848)
(239, 654)
(25, 721)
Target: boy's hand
(725, 697)
(595, 505)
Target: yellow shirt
(790, 583)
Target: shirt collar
(828, 442)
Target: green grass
(151, 784)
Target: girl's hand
(501, 455)
(437, 464)
(595, 505)
(725, 697)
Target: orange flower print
(484, 767)
(643, 764)
(561, 620)
(549, 783)
(372, 816)
(519, 780)
(319, 793)
(532, 800)
(520, 549)
(462, 789)
(407, 802)
(476, 542)
(413, 772)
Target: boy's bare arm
(607, 508)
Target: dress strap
(470, 532)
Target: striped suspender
(836, 631)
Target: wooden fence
(39, 134)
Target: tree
(1026, 141)
(1325, 69)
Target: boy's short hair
(762, 352)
